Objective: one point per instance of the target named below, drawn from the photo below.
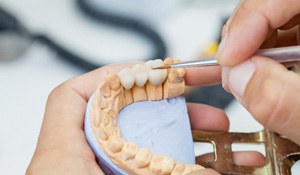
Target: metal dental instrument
(282, 55)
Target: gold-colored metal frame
(281, 153)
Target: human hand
(267, 89)
(62, 147)
(206, 76)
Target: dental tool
(281, 55)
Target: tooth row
(117, 91)
(139, 74)
(141, 159)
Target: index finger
(203, 76)
(250, 26)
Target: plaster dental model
(136, 122)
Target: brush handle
(281, 55)
(197, 63)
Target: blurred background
(45, 42)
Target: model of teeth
(118, 155)
(141, 75)
(156, 77)
(127, 78)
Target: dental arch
(139, 83)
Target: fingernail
(239, 77)
(221, 48)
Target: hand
(205, 117)
(267, 89)
(62, 147)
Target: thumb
(269, 92)
(250, 25)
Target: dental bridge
(142, 83)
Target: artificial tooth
(127, 78)
(154, 63)
(141, 75)
(156, 77)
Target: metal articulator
(281, 153)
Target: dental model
(140, 83)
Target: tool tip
(162, 67)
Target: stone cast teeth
(185, 169)
(141, 75)
(129, 150)
(143, 157)
(117, 91)
(115, 144)
(161, 165)
(102, 134)
(156, 77)
(127, 78)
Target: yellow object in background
(211, 49)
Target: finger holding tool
(281, 55)
(281, 153)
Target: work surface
(27, 81)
